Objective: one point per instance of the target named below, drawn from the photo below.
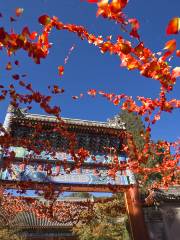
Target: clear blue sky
(87, 67)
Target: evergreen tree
(134, 125)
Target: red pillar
(135, 214)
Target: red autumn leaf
(157, 117)
(102, 6)
(12, 19)
(16, 76)
(147, 119)
(33, 35)
(125, 48)
(109, 96)
(61, 70)
(101, 92)
(178, 53)
(19, 11)
(135, 34)
(166, 55)
(135, 26)
(118, 5)
(44, 20)
(57, 90)
(16, 62)
(92, 92)
(9, 66)
(116, 101)
(26, 32)
(170, 45)
(105, 47)
(148, 129)
(109, 38)
(92, 1)
(176, 72)
(56, 110)
(134, 23)
(123, 3)
(75, 97)
(173, 26)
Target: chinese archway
(57, 171)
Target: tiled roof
(114, 123)
(170, 195)
(27, 219)
(81, 122)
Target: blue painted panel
(85, 175)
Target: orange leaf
(116, 101)
(116, 6)
(125, 48)
(176, 72)
(19, 11)
(178, 53)
(57, 90)
(157, 117)
(173, 26)
(92, 92)
(44, 19)
(33, 35)
(61, 70)
(103, 3)
(9, 66)
(170, 45)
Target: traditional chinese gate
(44, 171)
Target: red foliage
(132, 56)
(173, 26)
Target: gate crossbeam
(64, 187)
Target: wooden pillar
(135, 214)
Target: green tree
(104, 221)
(134, 125)
(154, 160)
(9, 234)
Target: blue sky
(87, 68)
